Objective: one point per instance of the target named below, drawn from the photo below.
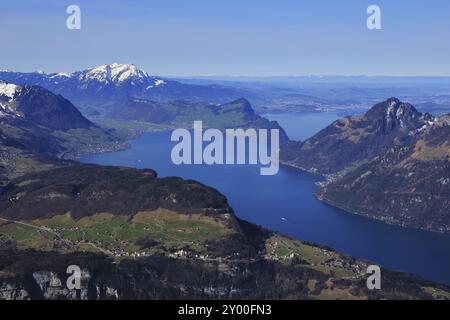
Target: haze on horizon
(232, 38)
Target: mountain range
(97, 88)
(94, 90)
(122, 96)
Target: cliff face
(159, 277)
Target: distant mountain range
(99, 87)
(94, 91)
(124, 95)
(392, 164)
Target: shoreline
(386, 221)
(124, 145)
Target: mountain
(40, 107)
(409, 184)
(238, 113)
(391, 164)
(35, 123)
(353, 140)
(95, 89)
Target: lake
(303, 126)
(285, 202)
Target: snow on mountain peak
(8, 89)
(61, 74)
(115, 73)
(7, 106)
(159, 82)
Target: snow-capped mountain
(7, 93)
(99, 87)
(8, 90)
(115, 74)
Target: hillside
(136, 236)
(34, 121)
(407, 185)
(353, 140)
(176, 114)
(391, 164)
(40, 107)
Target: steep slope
(408, 185)
(353, 140)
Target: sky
(229, 37)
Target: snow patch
(115, 72)
(8, 89)
(61, 75)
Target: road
(56, 234)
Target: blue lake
(285, 202)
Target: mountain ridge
(408, 185)
(354, 139)
(99, 86)
(41, 107)
(390, 164)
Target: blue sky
(245, 37)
